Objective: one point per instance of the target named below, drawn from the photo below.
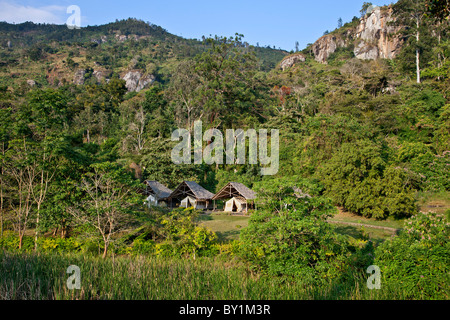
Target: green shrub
(176, 233)
(141, 246)
(295, 241)
(358, 178)
(10, 242)
(417, 262)
(58, 245)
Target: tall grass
(43, 277)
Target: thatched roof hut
(195, 191)
(239, 193)
(157, 190)
(235, 190)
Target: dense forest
(368, 136)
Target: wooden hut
(157, 193)
(199, 196)
(240, 198)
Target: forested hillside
(95, 108)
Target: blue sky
(274, 23)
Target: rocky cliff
(136, 81)
(327, 45)
(289, 61)
(374, 37)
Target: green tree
(110, 193)
(438, 8)
(289, 234)
(22, 171)
(411, 14)
(158, 165)
(5, 120)
(418, 260)
(365, 7)
(359, 178)
(226, 72)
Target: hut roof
(235, 190)
(193, 189)
(157, 189)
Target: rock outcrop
(375, 34)
(82, 75)
(121, 38)
(79, 77)
(291, 60)
(100, 75)
(325, 46)
(373, 38)
(135, 81)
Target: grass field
(44, 277)
(226, 227)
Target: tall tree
(365, 7)
(110, 193)
(226, 72)
(5, 120)
(183, 92)
(22, 171)
(438, 8)
(45, 170)
(410, 15)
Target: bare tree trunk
(36, 234)
(105, 251)
(63, 229)
(20, 240)
(24, 177)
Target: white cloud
(14, 13)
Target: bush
(417, 262)
(296, 241)
(10, 242)
(176, 233)
(142, 247)
(358, 178)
